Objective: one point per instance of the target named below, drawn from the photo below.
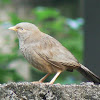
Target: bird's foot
(48, 83)
(52, 83)
(36, 82)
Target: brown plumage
(46, 54)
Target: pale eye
(21, 28)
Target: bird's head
(25, 29)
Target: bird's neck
(33, 38)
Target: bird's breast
(34, 59)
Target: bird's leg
(55, 77)
(42, 79)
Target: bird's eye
(21, 28)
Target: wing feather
(55, 54)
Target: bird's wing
(54, 53)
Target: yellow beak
(13, 28)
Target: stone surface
(43, 91)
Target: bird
(47, 54)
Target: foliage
(14, 19)
(49, 20)
(5, 1)
(53, 23)
(8, 75)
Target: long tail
(88, 74)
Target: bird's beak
(13, 28)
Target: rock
(43, 91)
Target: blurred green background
(60, 19)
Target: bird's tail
(88, 74)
